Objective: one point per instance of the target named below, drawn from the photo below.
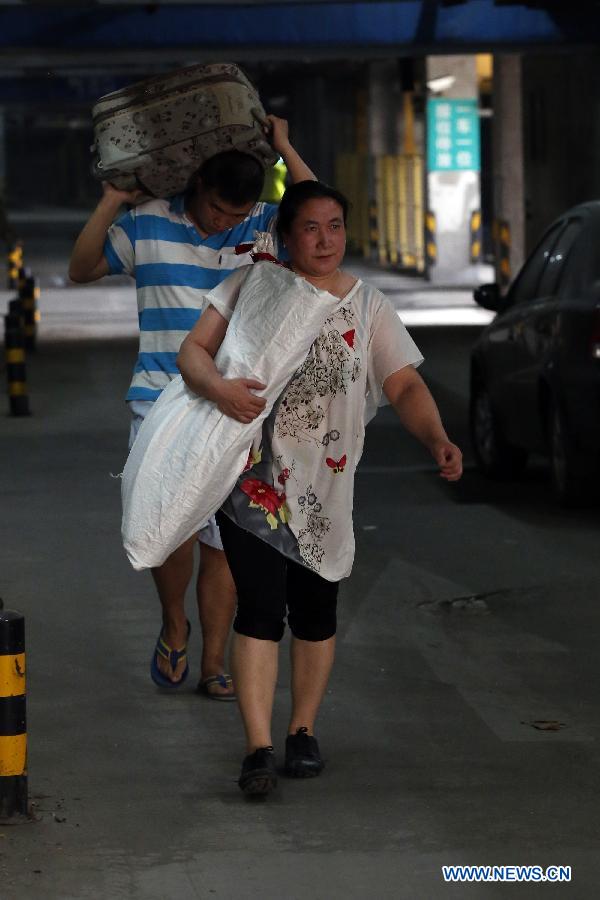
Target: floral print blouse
(297, 489)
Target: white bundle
(188, 455)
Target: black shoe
(302, 757)
(258, 772)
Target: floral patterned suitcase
(156, 133)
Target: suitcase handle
(260, 117)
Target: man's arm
(88, 262)
(278, 134)
(418, 412)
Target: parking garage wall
(561, 135)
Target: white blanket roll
(187, 455)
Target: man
(177, 250)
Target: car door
(575, 378)
(534, 329)
(503, 360)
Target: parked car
(535, 370)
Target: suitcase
(155, 134)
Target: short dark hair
(298, 194)
(237, 177)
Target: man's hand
(449, 459)
(236, 400)
(277, 133)
(88, 262)
(119, 196)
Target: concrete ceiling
(132, 36)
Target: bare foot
(218, 687)
(173, 639)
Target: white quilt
(187, 455)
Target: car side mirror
(488, 296)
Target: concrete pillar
(383, 105)
(561, 135)
(4, 228)
(2, 154)
(508, 156)
(454, 194)
(323, 116)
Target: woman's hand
(449, 458)
(236, 400)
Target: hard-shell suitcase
(155, 134)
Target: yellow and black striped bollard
(15, 264)
(29, 295)
(14, 344)
(476, 233)
(373, 229)
(13, 730)
(504, 253)
(430, 242)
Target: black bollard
(503, 253)
(28, 295)
(476, 231)
(14, 343)
(13, 731)
(15, 264)
(430, 239)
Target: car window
(525, 287)
(582, 266)
(558, 256)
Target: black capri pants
(269, 584)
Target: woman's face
(317, 239)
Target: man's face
(213, 214)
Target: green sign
(452, 136)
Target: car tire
(574, 475)
(494, 455)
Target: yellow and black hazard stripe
(15, 265)
(14, 344)
(13, 730)
(29, 295)
(373, 228)
(430, 241)
(476, 235)
(504, 241)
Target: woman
(287, 526)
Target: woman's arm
(418, 412)
(195, 360)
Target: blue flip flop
(224, 681)
(173, 657)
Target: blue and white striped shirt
(174, 267)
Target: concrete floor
(471, 613)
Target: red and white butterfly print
(337, 465)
